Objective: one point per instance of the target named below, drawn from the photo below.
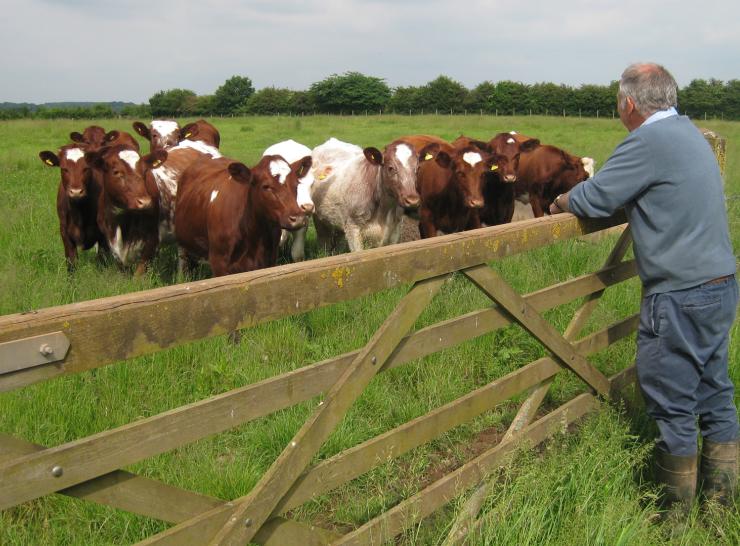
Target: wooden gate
(42, 345)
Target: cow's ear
(77, 137)
(190, 130)
(428, 152)
(49, 158)
(444, 159)
(482, 146)
(142, 130)
(373, 155)
(155, 159)
(110, 136)
(95, 159)
(302, 167)
(240, 172)
(492, 162)
(529, 145)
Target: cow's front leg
(354, 237)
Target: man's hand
(560, 204)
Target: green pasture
(587, 487)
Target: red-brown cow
(120, 138)
(91, 139)
(498, 190)
(161, 134)
(77, 201)
(450, 186)
(128, 212)
(546, 172)
(232, 215)
(201, 131)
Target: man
(666, 177)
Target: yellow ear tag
(428, 157)
(494, 167)
(156, 163)
(322, 176)
(49, 162)
(188, 135)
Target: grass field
(583, 488)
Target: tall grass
(584, 488)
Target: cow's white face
(280, 169)
(293, 151)
(74, 154)
(472, 158)
(164, 134)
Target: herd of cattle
(236, 217)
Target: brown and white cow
(232, 215)
(362, 194)
(160, 133)
(293, 151)
(77, 201)
(498, 190)
(120, 138)
(128, 207)
(451, 188)
(546, 172)
(201, 131)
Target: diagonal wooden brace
(497, 289)
(251, 511)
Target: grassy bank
(585, 488)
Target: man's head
(644, 88)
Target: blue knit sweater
(666, 177)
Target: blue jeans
(682, 351)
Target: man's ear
(142, 130)
(240, 172)
(49, 158)
(373, 155)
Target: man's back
(666, 176)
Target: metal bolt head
(248, 522)
(374, 360)
(46, 349)
(57, 471)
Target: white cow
(293, 151)
(362, 193)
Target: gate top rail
(121, 327)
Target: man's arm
(626, 174)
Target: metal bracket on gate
(32, 351)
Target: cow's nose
(144, 202)
(476, 203)
(510, 178)
(75, 193)
(307, 208)
(411, 202)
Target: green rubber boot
(677, 475)
(719, 472)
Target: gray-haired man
(666, 177)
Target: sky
(105, 50)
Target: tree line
(356, 93)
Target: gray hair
(651, 87)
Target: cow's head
(121, 138)
(271, 191)
(202, 131)
(125, 176)
(572, 172)
(397, 170)
(467, 168)
(508, 150)
(161, 134)
(92, 138)
(301, 178)
(76, 173)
